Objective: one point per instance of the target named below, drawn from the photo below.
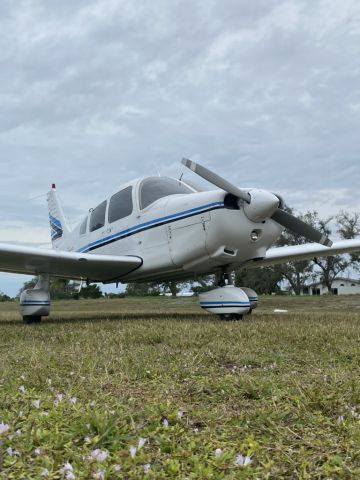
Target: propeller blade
(216, 180)
(300, 228)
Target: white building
(340, 286)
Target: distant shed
(340, 286)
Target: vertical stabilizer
(58, 225)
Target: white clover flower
(69, 475)
(3, 428)
(142, 442)
(44, 472)
(195, 430)
(87, 440)
(73, 400)
(48, 381)
(58, 399)
(242, 461)
(18, 432)
(22, 389)
(98, 455)
(165, 422)
(146, 467)
(340, 418)
(9, 451)
(44, 414)
(66, 468)
(133, 451)
(36, 403)
(180, 414)
(99, 475)
(71, 373)
(38, 451)
(117, 467)
(22, 377)
(218, 452)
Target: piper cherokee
(160, 228)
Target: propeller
(261, 205)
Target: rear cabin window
(121, 205)
(156, 187)
(83, 226)
(97, 218)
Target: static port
(254, 235)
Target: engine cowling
(225, 301)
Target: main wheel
(31, 319)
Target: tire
(28, 319)
(230, 317)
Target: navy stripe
(55, 221)
(150, 224)
(224, 306)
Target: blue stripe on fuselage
(150, 224)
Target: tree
(142, 289)
(349, 228)
(90, 291)
(297, 273)
(331, 267)
(264, 280)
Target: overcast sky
(95, 93)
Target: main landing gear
(35, 302)
(227, 301)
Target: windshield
(154, 188)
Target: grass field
(154, 388)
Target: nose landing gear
(227, 301)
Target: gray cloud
(94, 93)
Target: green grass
(283, 389)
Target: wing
(307, 251)
(97, 268)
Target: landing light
(254, 235)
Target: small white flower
(69, 475)
(36, 403)
(87, 440)
(37, 451)
(99, 475)
(142, 442)
(21, 413)
(18, 432)
(3, 428)
(340, 418)
(133, 451)
(45, 472)
(66, 468)
(242, 461)
(22, 389)
(44, 414)
(22, 377)
(195, 430)
(180, 414)
(98, 455)
(218, 452)
(117, 467)
(9, 451)
(58, 399)
(146, 467)
(48, 381)
(71, 373)
(73, 400)
(165, 422)
(92, 404)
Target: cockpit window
(120, 205)
(97, 219)
(154, 188)
(83, 226)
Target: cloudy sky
(95, 93)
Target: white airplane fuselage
(179, 235)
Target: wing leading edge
(306, 251)
(99, 268)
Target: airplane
(160, 228)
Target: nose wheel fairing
(227, 302)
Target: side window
(120, 205)
(97, 218)
(83, 226)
